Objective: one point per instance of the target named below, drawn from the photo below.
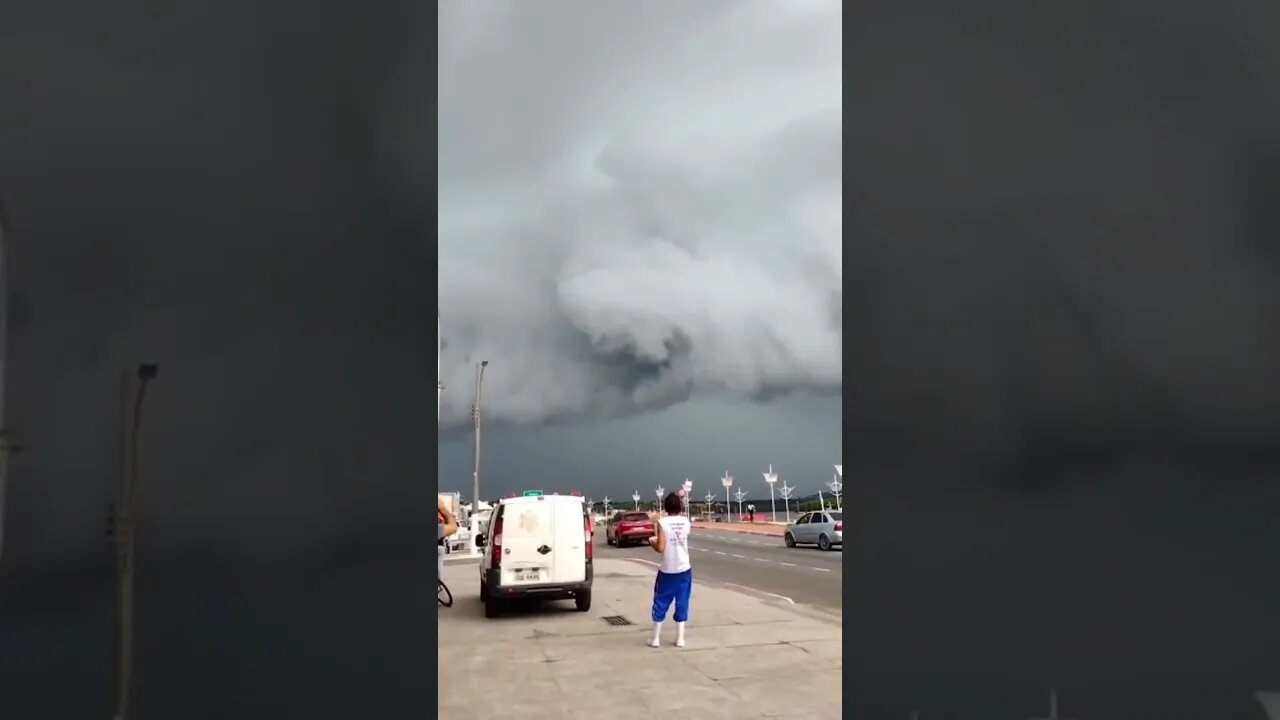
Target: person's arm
(450, 522)
(659, 541)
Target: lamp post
(659, 493)
(688, 498)
(6, 446)
(710, 498)
(606, 505)
(1053, 707)
(475, 473)
(635, 498)
(727, 482)
(131, 399)
(738, 495)
(836, 486)
(771, 477)
(786, 499)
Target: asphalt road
(755, 563)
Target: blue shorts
(670, 587)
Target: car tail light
(840, 526)
(495, 542)
(587, 531)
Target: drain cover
(616, 620)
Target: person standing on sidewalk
(751, 513)
(675, 575)
(446, 525)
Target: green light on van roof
(532, 493)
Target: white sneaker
(679, 643)
(653, 643)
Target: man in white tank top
(675, 576)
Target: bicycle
(443, 596)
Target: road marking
(761, 560)
(646, 562)
(822, 569)
(787, 564)
(740, 557)
(720, 553)
(762, 592)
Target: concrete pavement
(765, 565)
(747, 657)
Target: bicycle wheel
(443, 596)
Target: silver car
(824, 528)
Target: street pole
(125, 529)
(786, 499)
(727, 482)
(771, 477)
(710, 498)
(660, 490)
(688, 498)
(739, 494)
(836, 486)
(475, 473)
(6, 441)
(635, 498)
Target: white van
(537, 547)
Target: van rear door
(569, 551)
(527, 542)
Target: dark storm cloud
(1056, 254)
(218, 191)
(661, 222)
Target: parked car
(824, 528)
(540, 547)
(625, 528)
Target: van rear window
(635, 517)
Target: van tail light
(495, 542)
(839, 527)
(588, 530)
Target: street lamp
(836, 486)
(710, 498)
(475, 473)
(5, 445)
(606, 504)
(771, 477)
(125, 528)
(688, 498)
(660, 491)
(738, 495)
(635, 498)
(727, 482)
(786, 492)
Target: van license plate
(526, 575)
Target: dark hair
(672, 504)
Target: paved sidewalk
(747, 657)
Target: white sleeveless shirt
(675, 558)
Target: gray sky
(640, 213)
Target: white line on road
(740, 557)
(822, 569)
(761, 560)
(720, 553)
(787, 564)
(762, 592)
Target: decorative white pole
(771, 477)
(688, 498)
(606, 504)
(635, 498)
(1053, 707)
(786, 499)
(738, 494)
(727, 482)
(710, 498)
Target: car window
(835, 516)
(635, 517)
(804, 519)
(616, 517)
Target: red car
(625, 528)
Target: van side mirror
(479, 540)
